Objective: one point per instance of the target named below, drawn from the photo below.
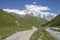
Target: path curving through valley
(23, 35)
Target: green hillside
(54, 22)
(32, 20)
(9, 26)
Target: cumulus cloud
(35, 9)
(34, 2)
(15, 11)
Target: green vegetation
(32, 21)
(55, 29)
(47, 36)
(6, 19)
(41, 34)
(54, 22)
(9, 26)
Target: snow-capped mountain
(34, 10)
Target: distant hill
(33, 21)
(6, 19)
(53, 22)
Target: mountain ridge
(46, 15)
(53, 22)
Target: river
(53, 33)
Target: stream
(53, 33)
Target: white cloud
(34, 2)
(15, 11)
(35, 9)
(38, 9)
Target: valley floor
(23, 35)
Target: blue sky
(54, 5)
